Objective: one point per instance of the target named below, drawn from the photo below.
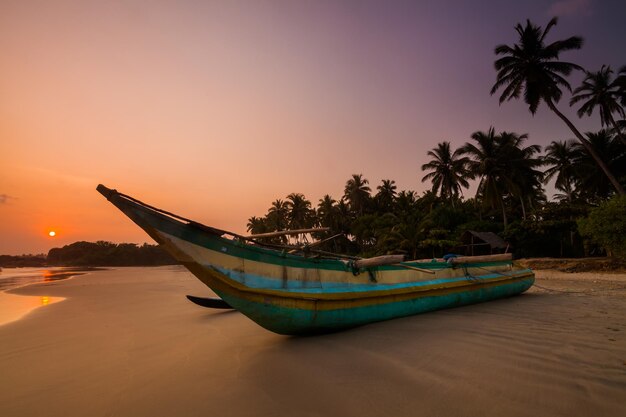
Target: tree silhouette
(299, 215)
(277, 219)
(448, 171)
(561, 157)
(598, 90)
(357, 193)
(591, 183)
(486, 163)
(531, 67)
(386, 194)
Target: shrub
(606, 226)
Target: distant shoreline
(14, 306)
(14, 278)
(92, 254)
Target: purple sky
(214, 109)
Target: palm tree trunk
(589, 148)
(521, 200)
(504, 219)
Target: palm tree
(591, 184)
(523, 180)
(405, 204)
(299, 215)
(486, 161)
(597, 90)
(386, 194)
(448, 171)
(357, 193)
(344, 216)
(506, 168)
(277, 215)
(326, 211)
(257, 225)
(620, 81)
(531, 67)
(560, 158)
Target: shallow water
(11, 278)
(13, 307)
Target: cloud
(4, 198)
(570, 7)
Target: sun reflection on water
(13, 307)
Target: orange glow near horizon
(211, 110)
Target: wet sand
(126, 342)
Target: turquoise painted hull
(294, 321)
(296, 295)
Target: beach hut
(482, 243)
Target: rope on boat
(579, 292)
(305, 249)
(176, 216)
(468, 275)
(561, 291)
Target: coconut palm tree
(277, 216)
(345, 217)
(326, 211)
(598, 90)
(299, 215)
(532, 68)
(591, 184)
(405, 204)
(620, 81)
(524, 179)
(560, 158)
(357, 193)
(386, 194)
(257, 225)
(448, 171)
(486, 162)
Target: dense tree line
(93, 254)
(589, 173)
(108, 254)
(20, 261)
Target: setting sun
(52, 233)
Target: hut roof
(491, 238)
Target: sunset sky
(213, 109)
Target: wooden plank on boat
(501, 257)
(287, 232)
(378, 261)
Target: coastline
(126, 342)
(14, 306)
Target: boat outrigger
(313, 291)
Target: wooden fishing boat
(312, 292)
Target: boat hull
(312, 318)
(298, 295)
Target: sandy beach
(126, 342)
